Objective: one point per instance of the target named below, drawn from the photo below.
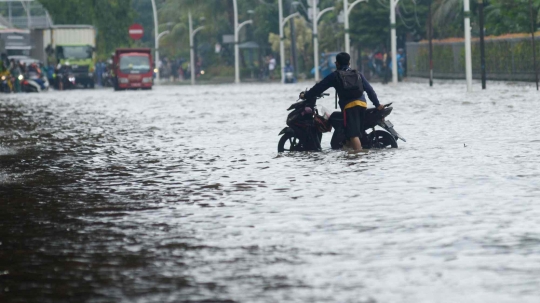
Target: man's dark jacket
(345, 96)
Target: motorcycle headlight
(21, 77)
(3, 78)
(123, 80)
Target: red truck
(133, 68)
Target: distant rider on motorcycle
(350, 86)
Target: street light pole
(315, 40)
(482, 42)
(236, 50)
(237, 28)
(293, 48)
(237, 53)
(430, 29)
(393, 40)
(192, 47)
(316, 18)
(346, 11)
(533, 44)
(468, 51)
(281, 44)
(282, 23)
(156, 40)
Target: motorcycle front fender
(394, 133)
(388, 126)
(286, 130)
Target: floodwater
(178, 195)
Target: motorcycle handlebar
(321, 96)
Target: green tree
(70, 12)
(511, 16)
(111, 18)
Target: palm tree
(445, 11)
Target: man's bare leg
(356, 144)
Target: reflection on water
(179, 195)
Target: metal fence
(506, 59)
(33, 22)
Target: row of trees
(110, 17)
(369, 22)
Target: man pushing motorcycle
(350, 86)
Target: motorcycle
(305, 126)
(108, 80)
(29, 85)
(289, 77)
(6, 83)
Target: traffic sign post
(136, 31)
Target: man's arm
(370, 92)
(320, 87)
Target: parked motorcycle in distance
(29, 85)
(6, 83)
(65, 78)
(305, 126)
(289, 77)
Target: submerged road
(178, 195)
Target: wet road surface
(179, 195)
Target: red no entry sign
(136, 31)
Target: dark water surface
(178, 195)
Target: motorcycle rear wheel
(380, 139)
(288, 142)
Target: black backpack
(350, 80)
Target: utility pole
(468, 52)
(236, 50)
(192, 47)
(293, 49)
(315, 40)
(316, 17)
(293, 38)
(237, 28)
(156, 40)
(281, 42)
(430, 33)
(482, 43)
(393, 39)
(533, 43)
(346, 11)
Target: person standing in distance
(350, 86)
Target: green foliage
(505, 58)
(511, 16)
(143, 15)
(370, 23)
(70, 12)
(110, 17)
(112, 20)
